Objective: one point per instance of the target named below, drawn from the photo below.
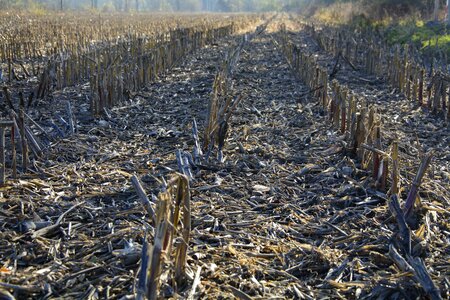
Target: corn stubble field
(219, 156)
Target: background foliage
(371, 8)
(158, 5)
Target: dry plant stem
(195, 284)
(398, 259)
(384, 174)
(156, 254)
(416, 267)
(421, 76)
(375, 150)
(415, 85)
(448, 106)
(360, 135)
(22, 289)
(395, 169)
(424, 279)
(404, 231)
(4, 125)
(376, 156)
(233, 108)
(167, 220)
(343, 111)
(301, 96)
(144, 267)
(2, 156)
(370, 125)
(38, 127)
(212, 113)
(13, 150)
(143, 198)
(24, 141)
(72, 125)
(10, 70)
(239, 294)
(184, 202)
(35, 146)
(437, 96)
(7, 97)
(444, 97)
(355, 132)
(336, 106)
(197, 148)
(51, 228)
(184, 166)
(409, 204)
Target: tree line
(387, 6)
(218, 5)
(155, 5)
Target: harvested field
(250, 164)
